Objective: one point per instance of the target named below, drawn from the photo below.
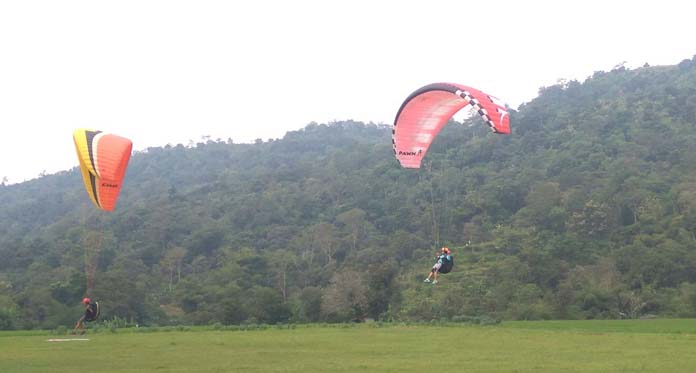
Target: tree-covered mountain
(587, 210)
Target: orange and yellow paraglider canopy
(103, 162)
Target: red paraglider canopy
(427, 110)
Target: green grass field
(557, 346)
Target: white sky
(168, 71)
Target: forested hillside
(587, 210)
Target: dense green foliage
(587, 210)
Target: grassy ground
(558, 346)
(679, 326)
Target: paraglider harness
(447, 264)
(92, 311)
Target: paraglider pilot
(443, 257)
(91, 314)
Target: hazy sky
(163, 72)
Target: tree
(345, 298)
(594, 220)
(8, 308)
(543, 208)
(172, 263)
(383, 288)
(356, 226)
(310, 304)
(267, 306)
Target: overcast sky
(162, 72)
